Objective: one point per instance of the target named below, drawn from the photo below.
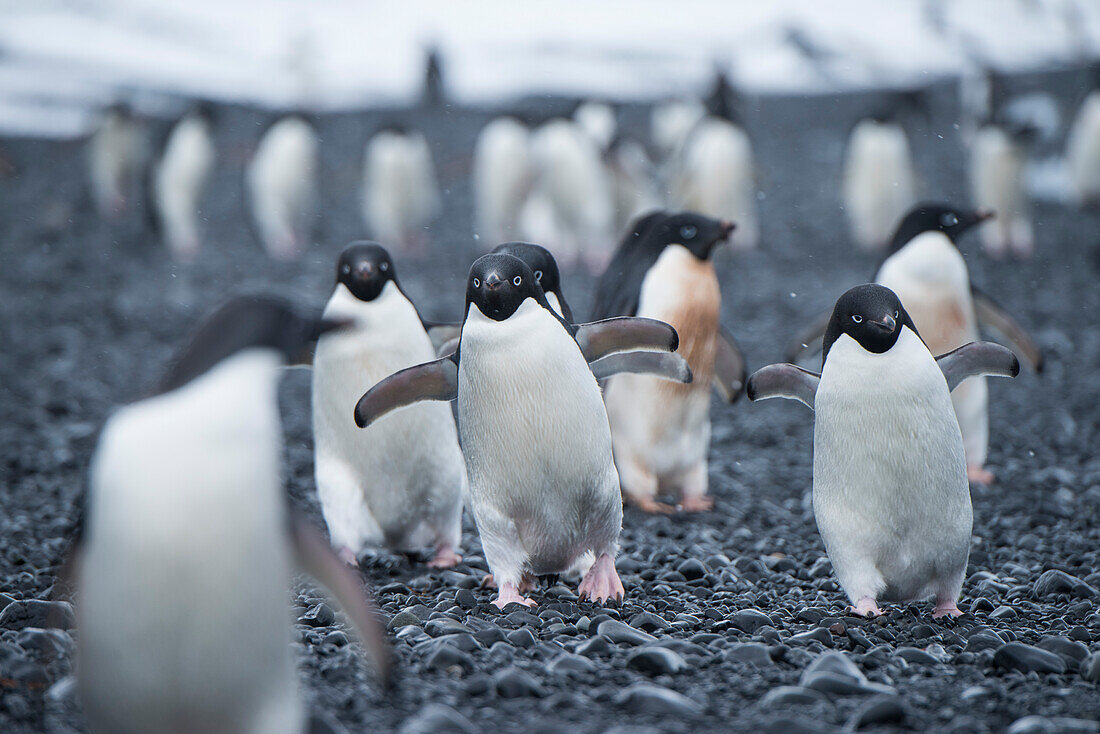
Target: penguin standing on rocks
(184, 555)
(890, 493)
(400, 193)
(1083, 148)
(177, 180)
(116, 152)
(502, 178)
(400, 484)
(879, 181)
(715, 172)
(281, 181)
(928, 273)
(543, 487)
(663, 270)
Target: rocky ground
(732, 619)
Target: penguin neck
(851, 365)
(388, 307)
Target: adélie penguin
(177, 179)
(400, 484)
(543, 487)
(925, 269)
(878, 182)
(400, 192)
(663, 270)
(116, 150)
(184, 556)
(281, 181)
(1083, 148)
(890, 493)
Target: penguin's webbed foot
(865, 607)
(602, 582)
(509, 594)
(979, 475)
(445, 557)
(650, 505)
(946, 608)
(347, 555)
(699, 503)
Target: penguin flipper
(666, 365)
(730, 371)
(316, 558)
(976, 359)
(625, 333)
(808, 341)
(436, 380)
(991, 315)
(783, 381)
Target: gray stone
(879, 710)
(1054, 582)
(616, 631)
(436, 718)
(787, 695)
(647, 698)
(752, 653)
(749, 620)
(656, 661)
(1025, 658)
(513, 682)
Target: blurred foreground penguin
(185, 558)
(177, 179)
(115, 153)
(663, 270)
(400, 194)
(400, 484)
(889, 488)
(878, 182)
(543, 487)
(282, 186)
(927, 272)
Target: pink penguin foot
(508, 594)
(526, 584)
(602, 582)
(979, 475)
(865, 607)
(702, 503)
(445, 557)
(650, 505)
(347, 555)
(946, 608)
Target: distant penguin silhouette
(879, 182)
(178, 179)
(502, 179)
(400, 193)
(282, 185)
(116, 151)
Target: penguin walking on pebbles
(281, 181)
(502, 177)
(400, 193)
(543, 487)
(116, 152)
(184, 557)
(890, 492)
(928, 273)
(663, 270)
(400, 484)
(177, 180)
(879, 182)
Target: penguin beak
(980, 215)
(727, 228)
(364, 270)
(493, 281)
(886, 323)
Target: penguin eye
(477, 283)
(688, 232)
(857, 318)
(538, 276)
(949, 220)
(384, 267)
(345, 269)
(517, 280)
(895, 314)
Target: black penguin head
(872, 315)
(543, 265)
(364, 268)
(937, 217)
(247, 322)
(499, 283)
(698, 233)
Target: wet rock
(656, 661)
(571, 665)
(752, 653)
(595, 646)
(648, 622)
(435, 718)
(749, 620)
(1072, 652)
(913, 655)
(37, 613)
(879, 710)
(817, 634)
(444, 626)
(319, 615)
(1057, 725)
(466, 599)
(1025, 658)
(514, 682)
(692, 569)
(1054, 582)
(521, 638)
(647, 698)
(403, 619)
(983, 640)
(789, 695)
(50, 642)
(1090, 668)
(443, 656)
(618, 632)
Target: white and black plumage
(177, 179)
(184, 560)
(598, 121)
(116, 153)
(1083, 150)
(878, 184)
(543, 487)
(282, 185)
(633, 180)
(663, 270)
(925, 269)
(997, 159)
(671, 122)
(890, 493)
(400, 193)
(401, 484)
(502, 178)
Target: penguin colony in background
(558, 421)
